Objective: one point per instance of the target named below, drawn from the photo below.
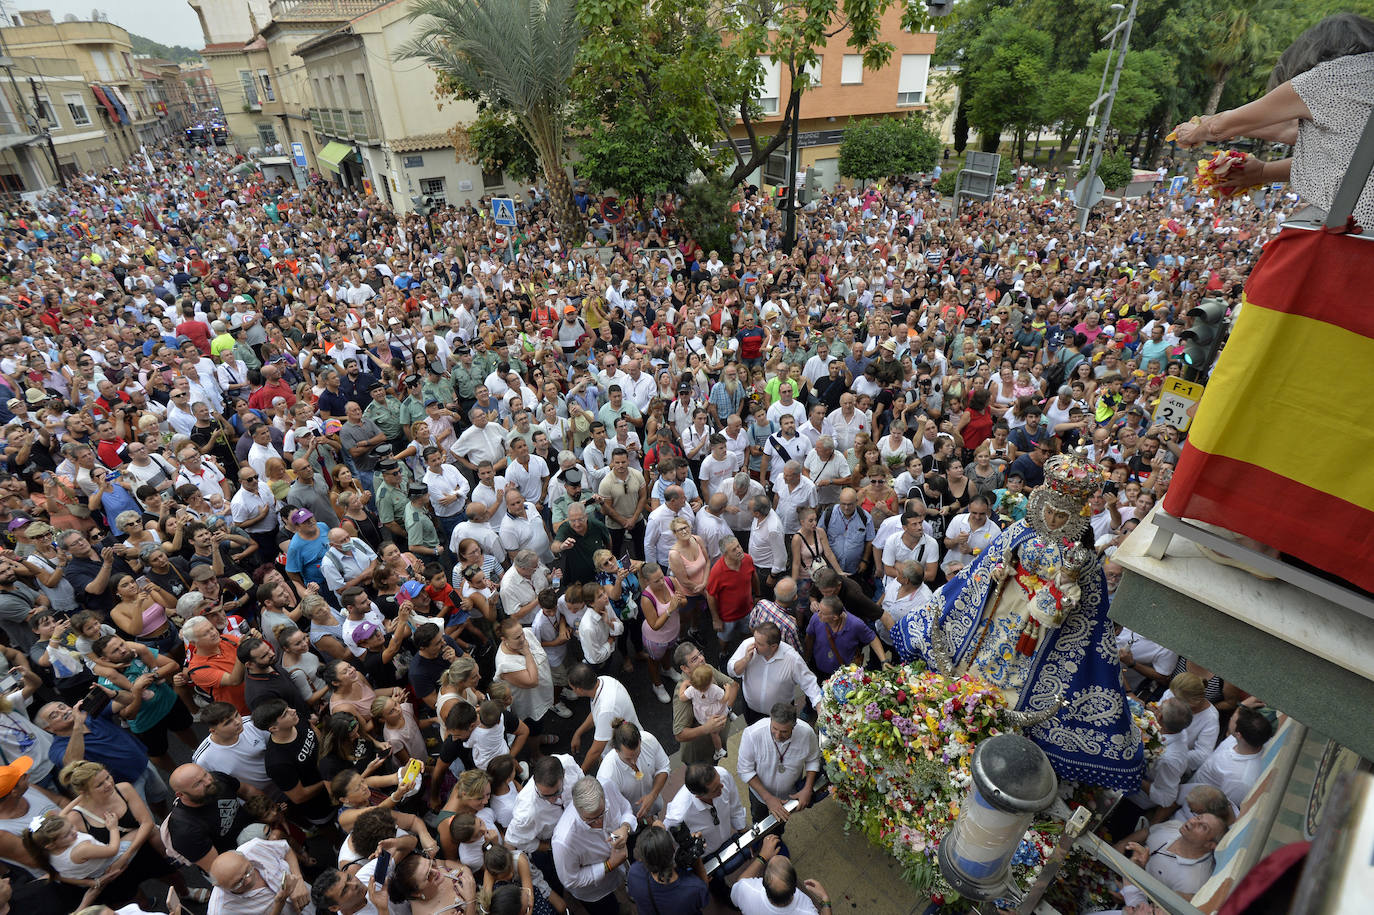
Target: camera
(690, 847)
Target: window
(433, 187)
(267, 91)
(911, 85)
(45, 112)
(267, 135)
(770, 91)
(250, 89)
(76, 106)
(812, 74)
(492, 181)
(852, 70)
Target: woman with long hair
(662, 606)
(690, 566)
(657, 884)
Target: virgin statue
(1029, 615)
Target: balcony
(320, 10)
(346, 124)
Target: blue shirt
(108, 744)
(303, 556)
(854, 634)
(848, 536)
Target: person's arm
(1273, 117)
(97, 585)
(527, 678)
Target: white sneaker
(673, 674)
(569, 695)
(722, 753)
(562, 711)
(661, 693)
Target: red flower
(887, 714)
(901, 695)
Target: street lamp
(1012, 782)
(1101, 84)
(1085, 200)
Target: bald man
(712, 526)
(208, 814)
(259, 876)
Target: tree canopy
(884, 147)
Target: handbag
(1253, 451)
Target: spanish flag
(1282, 444)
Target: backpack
(830, 516)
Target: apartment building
(842, 89)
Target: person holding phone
(91, 732)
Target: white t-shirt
(611, 701)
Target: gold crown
(1073, 476)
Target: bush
(883, 147)
(705, 214)
(945, 185)
(1115, 170)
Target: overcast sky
(167, 21)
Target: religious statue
(1029, 615)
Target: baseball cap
(569, 310)
(38, 529)
(302, 515)
(410, 589)
(364, 631)
(10, 775)
(204, 571)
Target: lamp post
(1012, 782)
(1101, 84)
(1087, 184)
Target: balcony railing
(316, 10)
(351, 123)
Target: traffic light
(1202, 340)
(784, 199)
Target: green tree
(496, 144)
(1145, 77)
(518, 57)
(639, 74)
(636, 159)
(1115, 170)
(883, 147)
(705, 213)
(1003, 68)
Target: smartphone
(143, 581)
(95, 702)
(112, 475)
(383, 868)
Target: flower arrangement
(898, 746)
(1212, 171)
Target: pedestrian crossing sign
(503, 211)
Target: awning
(332, 154)
(122, 99)
(104, 100)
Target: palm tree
(1237, 38)
(516, 55)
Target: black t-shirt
(425, 672)
(298, 763)
(216, 824)
(81, 572)
(376, 671)
(258, 688)
(173, 583)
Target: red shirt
(111, 452)
(198, 332)
(261, 399)
(732, 589)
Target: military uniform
(387, 416)
(391, 501)
(466, 380)
(412, 411)
(420, 529)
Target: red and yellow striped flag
(1282, 447)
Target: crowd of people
(358, 507)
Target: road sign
(503, 211)
(1086, 198)
(1177, 401)
(298, 153)
(611, 210)
(1177, 184)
